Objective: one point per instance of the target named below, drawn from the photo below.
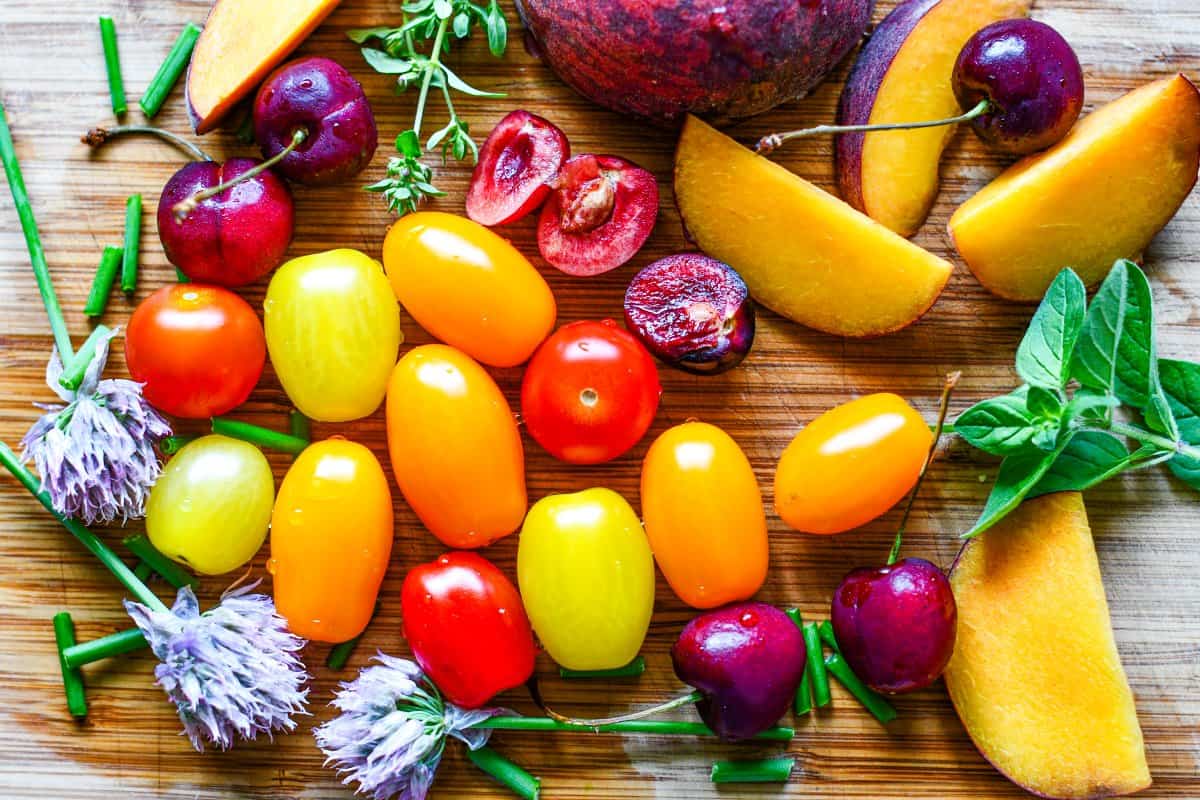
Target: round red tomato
(590, 392)
(199, 349)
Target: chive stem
(816, 666)
(76, 368)
(506, 772)
(803, 701)
(775, 140)
(167, 569)
(102, 284)
(115, 644)
(186, 206)
(340, 653)
(143, 571)
(170, 445)
(299, 425)
(258, 435)
(647, 726)
(181, 276)
(881, 709)
(766, 770)
(631, 670)
(112, 64)
(98, 136)
(133, 236)
(168, 74)
(105, 554)
(64, 637)
(33, 241)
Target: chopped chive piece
(75, 368)
(133, 238)
(143, 571)
(339, 654)
(767, 770)
(116, 86)
(171, 572)
(631, 670)
(651, 727)
(164, 80)
(299, 425)
(506, 772)
(803, 701)
(825, 631)
(180, 277)
(881, 709)
(106, 273)
(258, 435)
(171, 445)
(816, 666)
(64, 637)
(114, 644)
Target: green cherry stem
(98, 136)
(184, 207)
(773, 141)
(682, 700)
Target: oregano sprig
(398, 51)
(1097, 401)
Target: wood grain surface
(1147, 525)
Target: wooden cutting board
(1147, 526)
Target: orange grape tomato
(468, 287)
(455, 448)
(851, 464)
(331, 538)
(704, 515)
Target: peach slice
(1099, 195)
(804, 254)
(1035, 675)
(242, 41)
(903, 74)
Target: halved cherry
(600, 214)
(516, 165)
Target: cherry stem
(687, 699)
(98, 136)
(185, 207)
(943, 409)
(775, 140)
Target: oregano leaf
(1181, 386)
(1001, 426)
(1090, 458)
(1044, 356)
(1018, 475)
(1043, 404)
(1187, 469)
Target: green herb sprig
(398, 51)
(1097, 400)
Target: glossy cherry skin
(1031, 76)
(516, 165)
(747, 660)
(896, 624)
(231, 239)
(319, 96)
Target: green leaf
(362, 35)
(387, 64)
(462, 25)
(1181, 385)
(1187, 469)
(1018, 475)
(408, 144)
(443, 8)
(1090, 458)
(1044, 356)
(1047, 436)
(458, 84)
(1043, 403)
(497, 30)
(1091, 405)
(1001, 426)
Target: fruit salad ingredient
(468, 287)
(714, 57)
(692, 312)
(211, 506)
(851, 464)
(320, 97)
(895, 624)
(517, 163)
(802, 252)
(331, 538)
(465, 624)
(1035, 677)
(1099, 195)
(590, 392)
(599, 215)
(903, 74)
(333, 332)
(198, 349)
(168, 72)
(704, 515)
(455, 449)
(587, 577)
(241, 42)
(234, 238)
(747, 661)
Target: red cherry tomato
(467, 628)
(199, 349)
(590, 392)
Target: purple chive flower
(392, 729)
(231, 672)
(95, 455)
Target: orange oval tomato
(455, 448)
(851, 464)
(468, 287)
(704, 515)
(331, 538)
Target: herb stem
(299, 425)
(881, 709)
(106, 273)
(167, 569)
(168, 73)
(133, 236)
(435, 61)
(171, 445)
(64, 637)
(115, 644)
(76, 368)
(258, 435)
(816, 666)
(766, 770)
(1143, 436)
(803, 701)
(775, 140)
(646, 726)
(112, 65)
(521, 782)
(631, 670)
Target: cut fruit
(243, 40)
(1098, 196)
(803, 253)
(1035, 676)
(903, 74)
(516, 165)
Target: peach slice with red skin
(242, 41)
(903, 74)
